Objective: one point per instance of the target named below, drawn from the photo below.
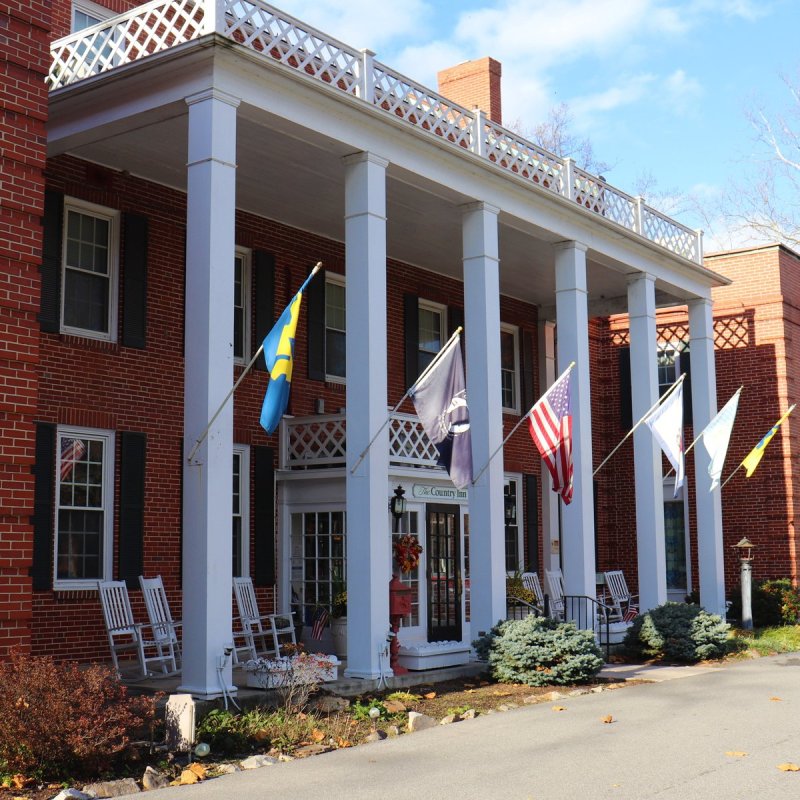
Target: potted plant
(339, 623)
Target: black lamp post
(397, 505)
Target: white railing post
(365, 87)
(478, 143)
(569, 178)
(213, 16)
(638, 218)
(699, 254)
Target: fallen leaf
(198, 769)
(430, 695)
(775, 699)
(789, 767)
(20, 781)
(188, 777)
(470, 691)
(317, 735)
(301, 715)
(735, 753)
(501, 694)
(559, 708)
(261, 735)
(608, 719)
(342, 742)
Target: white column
(368, 535)
(482, 335)
(547, 376)
(709, 504)
(572, 318)
(210, 242)
(648, 478)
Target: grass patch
(769, 641)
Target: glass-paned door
(675, 545)
(444, 573)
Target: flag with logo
(666, 423)
(440, 399)
(717, 435)
(72, 450)
(550, 426)
(319, 622)
(753, 458)
(279, 355)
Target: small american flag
(71, 451)
(631, 614)
(550, 424)
(319, 622)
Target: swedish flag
(753, 458)
(279, 355)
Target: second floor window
(431, 330)
(241, 305)
(335, 329)
(509, 374)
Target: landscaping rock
(393, 730)
(72, 794)
(596, 689)
(449, 719)
(310, 750)
(548, 697)
(530, 699)
(394, 706)
(254, 762)
(154, 779)
(227, 769)
(578, 692)
(376, 736)
(330, 704)
(112, 788)
(420, 722)
(470, 713)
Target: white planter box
(433, 655)
(273, 675)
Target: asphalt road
(719, 734)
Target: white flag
(666, 422)
(716, 437)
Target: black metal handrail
(589, 613)
(517, 608)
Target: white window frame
(668, 491)
(675, 349)
(112, 217)
(517, 479)
(243, 451)
(246, 256)
(107, 559)
(514, 331)
(338, 280)
(98, 12)
(441, 310)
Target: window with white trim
(85, 14)
(509, 368)
(335, 328)
(432, 325)
(89, 270)
(669, 366)
(241, 511)
(241, 305)
(84, 523)
(513, 539)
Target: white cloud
(614, 97)
(681, 92)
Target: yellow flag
(753, 458)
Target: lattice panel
(669, 234)
(517, 155)
(732, 332)
(264, 29)
(672, 333)
(147, 29)
(321, 440)
(408, 443)
(399, 96)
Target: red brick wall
(24, 59)
(474, 84)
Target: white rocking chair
(621, 605)
(265, 629)
(530, 580)
(124, 634)
(554, 583)
(165, 629)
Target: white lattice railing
(162, 24)
(322, 441)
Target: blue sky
(661, 87)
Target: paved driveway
(669, 741)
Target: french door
(443, 573)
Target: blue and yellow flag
(753, 458)
(279, 355)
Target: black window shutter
(50, 270)
(264, 274)
(686, 369)
(133, 448)
(411, 337)
(455, 319)
(43, 498)
(625, 399)
(181, 472)
(264, 513)
(531, 488)
(528, 359)
(316, 327)
(134, 292)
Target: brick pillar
(474, 84)
(24, 60)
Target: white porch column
(210, 241)
(550, 527)
(709, 504)
(368, 539)
(572, 318)
(482, 334)
(648, 477)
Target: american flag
(71, 451)
(319, 622)
(550, 424)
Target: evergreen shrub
(678, 632)
(539, 651)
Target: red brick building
(136, 288)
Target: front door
(443, 573)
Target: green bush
(538, 651)
(61, 720)
(773, 602)
(678, 632)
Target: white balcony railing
(163, 24)
(310, 442)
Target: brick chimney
(474, 84)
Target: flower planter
(339, 635)
(274, 673)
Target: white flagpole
(446, 349)
(649, 412)
(200, 439)
(521, 420)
